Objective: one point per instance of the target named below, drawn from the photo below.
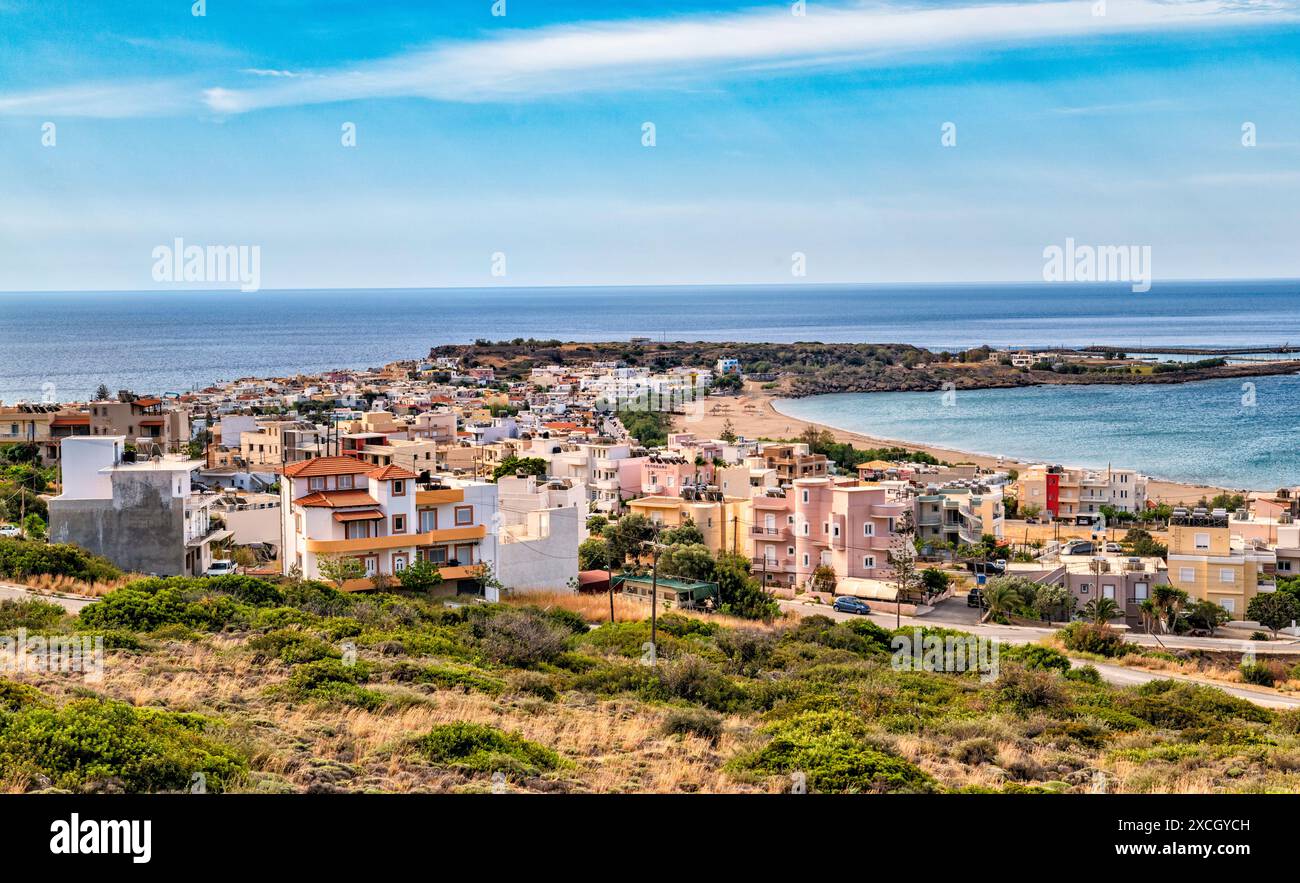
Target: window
(399, 487)
(807, 528)
(1202, 541)
(1227, 575)
(805, 559)
(826, 528)
(1187, 574)
(805, 496)
(835, 530)
(464, 515)
(428, 520)
(1108, 592)
(789, 550)
(436, 555)
(1227, 604)
(358, 530)
(316, 484)
(399, 524)
(345, 482)
(868, 529)
(1085, 588)
(1139, 591)
(869, 561)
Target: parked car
(10, 530)
(1114, 548)
(1031, 520)
(975, 598)
(1083, 548)
(850, 604)
(220, 567)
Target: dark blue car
(849, 604)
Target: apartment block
(1076, 493)
(721, 519)
(958, 513)
(145, 422)
(143, 515)
(793, 462)
(1208, 562)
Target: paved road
(1120, 676)
(9, 591)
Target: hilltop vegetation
(295, 687)
(809, 368)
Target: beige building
(1209, 563)
(144, 421)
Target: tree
(243, 557)
(596, 523)
(1001, 598)
(691, 561)
(338, 569)
(1207, 615)
(1169, 601)
(420, 575)
(902, 560)
(1101, 610)
(593, 554)
(34, 527)
(685, 533)
(513, 465)
(823, 579)
(1055, 603)
(626, 537)
(741, 594)
(1030, 510)
(728, 433)
(1274, 610)
(102, 394)
(935, 581)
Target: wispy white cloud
(602, 55)
(677, 51)
(105, 100)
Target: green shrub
(1179, 705)
(444, 677)
(521, 638)
(1036, 656)
(23, 558)
(695, 722)
(694, 679)
(332, 682)
(291, 646)
(1257, 673)
(92, 744)
(1087, 674)
(1024, 690)
(1088, 637)
(483, 749)
(830, 750)
(31, 614)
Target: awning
(363, 515)
(874, 589)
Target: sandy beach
(752, 415)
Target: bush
(330, 681)
(829, 749)
(23, 558)
(1087, 674)
(291, 646)
(92, 744)
(1088, 637)
(33, 615)
(1257, 673)
(520, 638)
(691, 678)
(483, 749)
(695, 722)
(1036, 656)
(1023, 690)
(1178, 705)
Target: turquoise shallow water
(1192, 432)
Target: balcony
(398, 541)
(439, 496)
(759, 530)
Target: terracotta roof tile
(337, 499)
(391, 471)
(318, 466)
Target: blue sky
(522, 134)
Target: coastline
(753, 414)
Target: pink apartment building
(817, 521)
(665, 475)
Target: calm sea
(1203, 433)
(66, 344)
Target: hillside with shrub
(294, 687)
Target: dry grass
(45, 584)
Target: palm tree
(1000, 597)
(1170, 601)
(1150, 615)
(1101, 610)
